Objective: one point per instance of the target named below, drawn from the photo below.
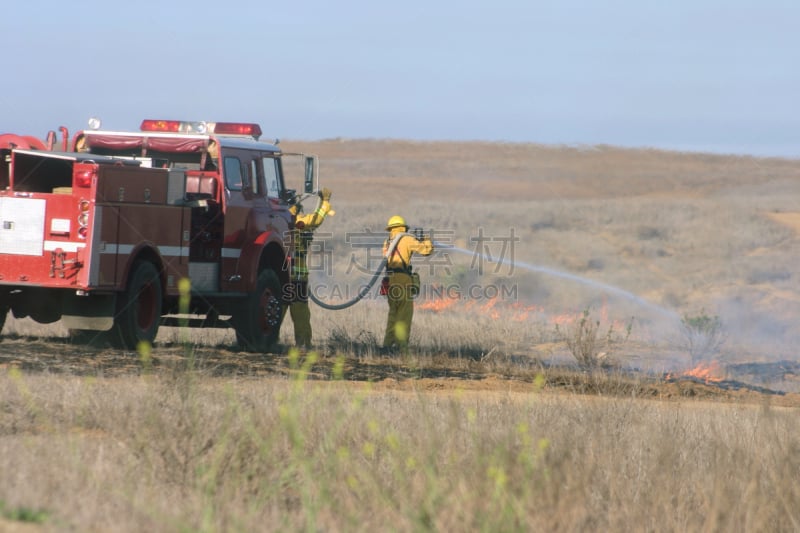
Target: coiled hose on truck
(364, 290)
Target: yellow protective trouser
(401, 311)
(301, 316)
(296, 302)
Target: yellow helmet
(396, 222)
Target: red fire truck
(102, 233)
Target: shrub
(585, 343)
(23, 514)
(703, 335)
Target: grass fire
(641, 374)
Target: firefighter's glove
(325, 194)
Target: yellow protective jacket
(303, 234)
(408, 245)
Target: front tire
(258, 320)
(139, 307)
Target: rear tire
(258, 320)
(3, 314)
(139, 307)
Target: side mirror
(309, 185)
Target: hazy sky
(697, 75)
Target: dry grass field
(546, 388)
(682, 234)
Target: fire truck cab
(104, 236)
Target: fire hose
(366, 288)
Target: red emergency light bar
(172, 126)
(237, 128)
(220, 128)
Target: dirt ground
(439, 374)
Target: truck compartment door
(21, 226)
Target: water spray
(573, 277)
(532, 268)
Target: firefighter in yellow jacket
(303, 234)
(399, 291)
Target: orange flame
(521, 313)
(564, 319)
(515, 312)
(488, 307)
(708, 372)
(438, 305)
(712, 371)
